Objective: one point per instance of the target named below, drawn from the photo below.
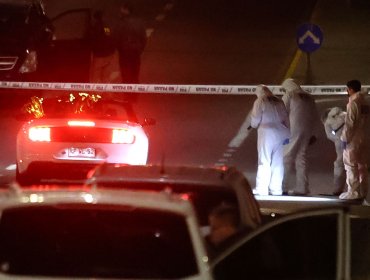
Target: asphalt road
(256, 44)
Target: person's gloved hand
(344, 145)
(312, 140)
(286, 141)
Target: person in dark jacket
(131, 41)
(104, 55)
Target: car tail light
(81, 123)
(39, 134)
(122, 136)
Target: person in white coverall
(270, 118)
(354, 142)
(303, 117)
(333, 120)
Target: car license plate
(81, 152)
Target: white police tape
(180, 89)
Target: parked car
(101, 234)
(330, 241)
(72, 133)
(206, 187)
(35, 47)
(118, 233)
(25, 33)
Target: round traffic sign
(309, 37)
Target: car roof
(182, 179)
(16, 196)
(200, 175)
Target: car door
(360, 244)
(68, 58)
(299, 246)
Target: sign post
(309, 39)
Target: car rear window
(95, 241)
(204, 197)
(79, 106)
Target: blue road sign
(309, 37)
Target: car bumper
(33, 152)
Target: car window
(95, 241)
(360, 248)
(78, 22)
(304, 248)
(12, 18)
(204, 198)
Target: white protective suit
(355, 153)
(333, 121)
(270, 118)
(303, 117)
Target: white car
(76, 132)
(103, 234)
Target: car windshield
(95, 241)
(204, 197)
(83, 106)
(12, 18)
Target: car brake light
(81, 123)
(122, 136)
(39, 134)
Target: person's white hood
(262, 90)
(290, 85)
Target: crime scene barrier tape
(179, 89)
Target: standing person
(303, 117)
(131, 41)
(354, 142)
(270, 118)
(104, 55)
(333, 120)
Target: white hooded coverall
(355, 154)
(334, 124)
(270, 118)
(303, 116)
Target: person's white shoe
(349, 195)
(258, 192)
(276, 193)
